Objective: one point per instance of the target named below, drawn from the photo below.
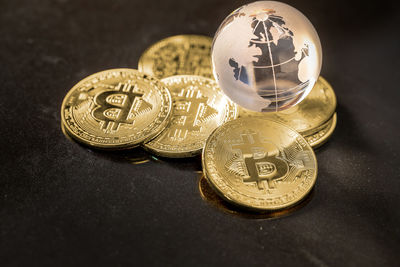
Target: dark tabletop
(62, 204)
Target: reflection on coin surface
(316, 109)
(259, 164)
(199, 106)
(178, 55)
(117, 108)
(322, 135)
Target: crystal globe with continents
(266, 56)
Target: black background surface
(62, 204)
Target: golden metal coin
(322, 135)
(199, 106)
(115, 109)
(316, 109)
(178, 55)
(259, 164)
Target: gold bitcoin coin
(116, 109)
(178, 55)
(199, 106)
(322, 135)
(316, 109)
(259, 164)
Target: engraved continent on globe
(277, 53)
(266, 56)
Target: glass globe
(266, 56)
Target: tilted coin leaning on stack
(116, 109)
(199, 107)
(260, 161)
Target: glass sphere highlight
(266, 56)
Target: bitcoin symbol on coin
(119, 106)
(116, 109)
(199, 108)
(191, 110)
(259, 164)
(255, 164)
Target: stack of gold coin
(262, 161)
(173, 107)
(124, 108)
(314, 118)
(183, 62)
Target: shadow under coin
(138, 155)
(190, 163)
(65, 133)
(211, 197)
(135, 155)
